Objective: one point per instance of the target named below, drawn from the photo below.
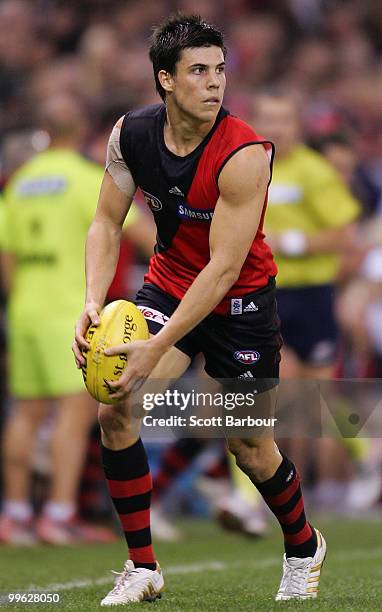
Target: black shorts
(308, 324)
(244, 346)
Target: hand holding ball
(121, 322)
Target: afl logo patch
(247, 356)
(152, 201)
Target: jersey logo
(251, 307)
(247, 356)
(196, 214)
(152, 201)
(176, 191)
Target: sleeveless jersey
(182, 193)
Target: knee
(250, 456)
(111, 420)
(117, 425)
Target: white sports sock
(18, 510)
(59, 511)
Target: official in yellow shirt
(309, 225)
(48, 205)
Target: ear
(166, 80)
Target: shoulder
(23, 173)
(142, 116)
(232, 130)
(90, 168)
(313, 161)
(89, 164)
(232, 136)
(236, 143)
(138, 132)
(75, 166)
(238, 126)
(245, 171)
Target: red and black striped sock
(130, 484)
(282, 494)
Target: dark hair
(177, 33)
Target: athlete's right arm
(103, 240)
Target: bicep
(243, 184)
(113, 204)
(118, 187)
(116, 165)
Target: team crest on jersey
(152, 201)
(247, 356)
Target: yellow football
(121, 322)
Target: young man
(205, 175)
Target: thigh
(157, 307)
(170, 367)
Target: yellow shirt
(2, 224)
(307, 194)
(49, 204)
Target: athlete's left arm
(242, 183)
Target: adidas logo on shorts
(246, 376)
(251, 307)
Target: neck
(183, 132)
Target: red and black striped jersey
(182, 193)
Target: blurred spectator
(49, 204)
(309, 224)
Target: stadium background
(328, 53)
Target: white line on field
(195, 568)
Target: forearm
(331, 240)
(102, 252)
(205, 293)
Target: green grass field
(210, 570)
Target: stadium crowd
(327, 54)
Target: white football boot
(301, 577)
(135, 584)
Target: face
(198, 85)
(277, 119)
